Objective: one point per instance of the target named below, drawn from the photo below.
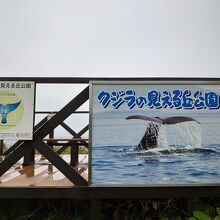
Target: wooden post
(1, 147)
(74, 152)
(96, 209)
(29, 156)
(51, 136)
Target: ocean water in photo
(187, 153)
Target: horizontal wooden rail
(87, 193)
(65, 142)
(64, 145)
(54, 112)
(65, 139)
(85, 80)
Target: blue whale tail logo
(5, 109)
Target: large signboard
(17, 110)
(155, 133)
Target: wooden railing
(44, 145)
(45, 127)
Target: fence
(26, 150)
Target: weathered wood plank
(17, 172)
(29, 176)
(42, 174)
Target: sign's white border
(145, 82)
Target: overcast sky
(110, 38)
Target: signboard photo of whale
(147, 133)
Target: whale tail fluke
(165, 121)
(5, 109)
(178, 119)
(142, 117)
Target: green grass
(162, 209)
(82, 150)
(22, 209)
(126, 209)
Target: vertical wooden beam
(29, 156)
(51, 135)
(74, 153)
(96, 213)
(1, 147)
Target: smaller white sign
(17, 110)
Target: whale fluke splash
(5, 109)
(150, 138)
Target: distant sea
(187, 153)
